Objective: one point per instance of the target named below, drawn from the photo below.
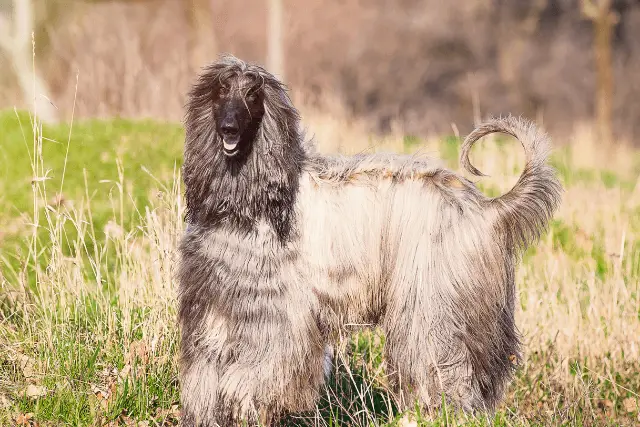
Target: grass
(87, 304)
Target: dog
(285, 245)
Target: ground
(91, 213)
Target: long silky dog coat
(285, 245)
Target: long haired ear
(278, 134)
(200, 129)
(280, 124)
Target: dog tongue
(228, 146)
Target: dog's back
(284, 244)
(403, 242)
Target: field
(91, 213)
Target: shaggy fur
(285, 246)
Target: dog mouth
(230, 145)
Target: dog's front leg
(265, 416)
(200, 394)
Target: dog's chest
(248, 263)
(255, 283)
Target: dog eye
(252, 97)
(223, 91)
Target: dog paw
(328, 361)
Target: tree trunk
(603, 20)
(34, 87)
(513, 39)
(603, 30)
(204, 47)
(18, 44)
(275, 54)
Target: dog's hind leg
(427, 362)
(327, 365)
(445, 336)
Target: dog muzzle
(230, 149)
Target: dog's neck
(238, 193)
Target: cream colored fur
(389, 240)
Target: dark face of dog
(243, 147)
(238, 109)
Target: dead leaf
(99, 393)
(630, 404)
(4, 401)
(125, 371)
(138, 349)
(408, 421)
(35, 391)
(170, 414)
(162, 360)
(27, 365)
(104, 394)
(23, 419)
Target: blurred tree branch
(604, 20)
(15, 39)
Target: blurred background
(91, 211)
(427, 67)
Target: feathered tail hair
(526, 210)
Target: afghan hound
(284, 246)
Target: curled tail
(523, 212)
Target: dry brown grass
(87, 311)
(87, 320)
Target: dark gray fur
(277, 258)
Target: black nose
(229, 126)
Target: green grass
(95, 147)
(115, 167)
(104, 161)
(87, 311)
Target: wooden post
(513, 44)
(604, 20)
(275, 54)
(203, 43)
